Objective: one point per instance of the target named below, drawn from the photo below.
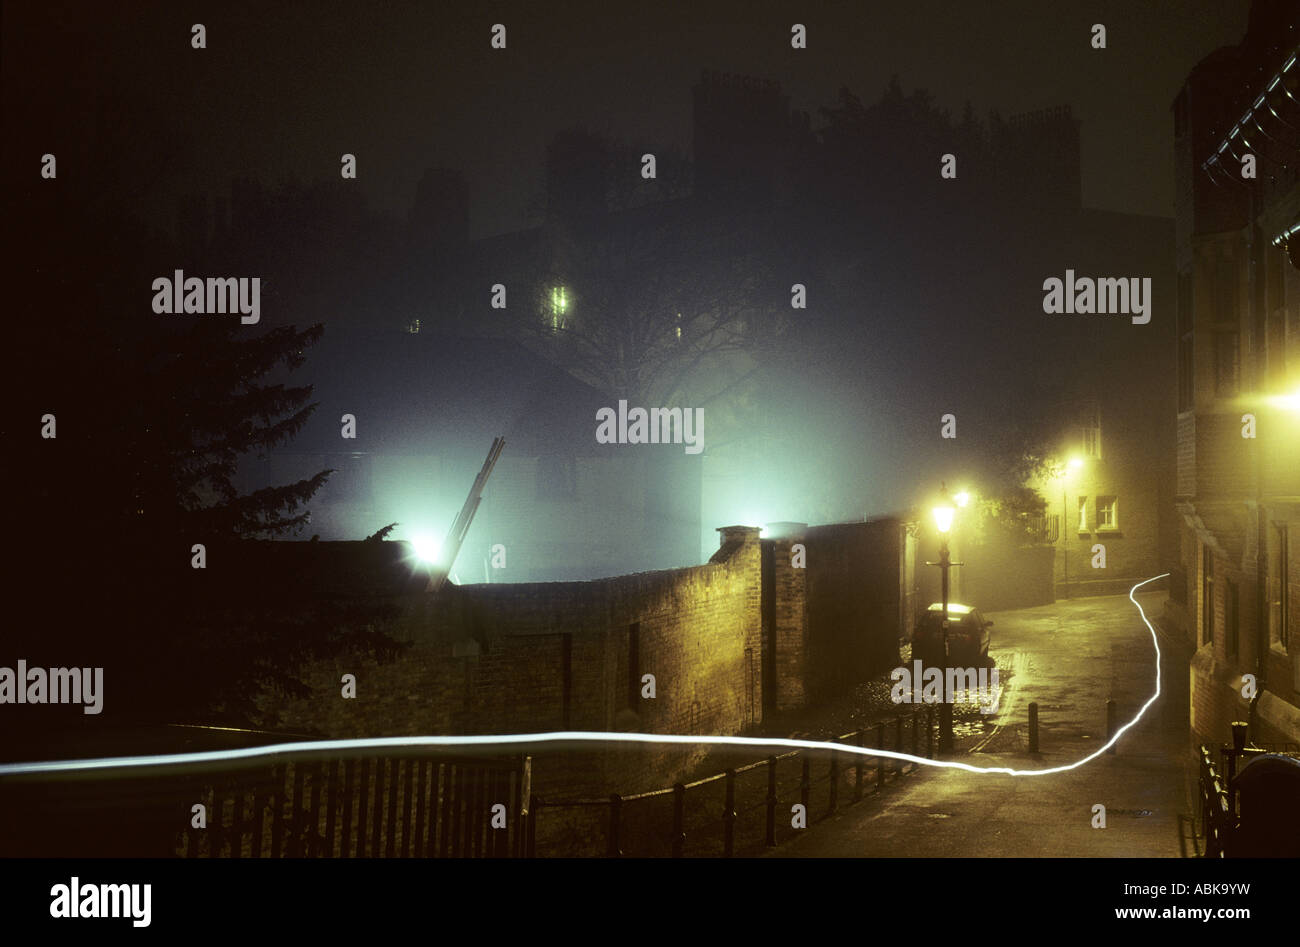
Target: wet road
(1068, 657)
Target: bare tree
(645, 292)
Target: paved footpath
(1069, 657)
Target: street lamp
(943, 516)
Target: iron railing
(300, 802)
(742, 810)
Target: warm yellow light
(943, 518)
(1076, 463)
(962, 498)
(1289, 402)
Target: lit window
(1083, 514)
(1107, 513)
(559, 307)
(1092, 442)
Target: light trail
(571, 736)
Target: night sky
(282, 89)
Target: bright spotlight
(962, 498)
(1076, 463)
(427, 548)
(1289, 402)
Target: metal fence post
(729, 816)
(771, 800)
(880, 760)
(1033, 726)
(531, 826)
(857, 767)
(615, 813)
(898, 744)
(679, 819)
(835, 779)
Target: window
(1231, 617)
(1284, 593)
(559, 307)
(1207, 595)
(556, 478)
(1225, 363)
(1107, 513)
(1089, 430)
(1226, 346)
(1185, 364)
(1083, 514)
(1225, 291)
(1092, 442)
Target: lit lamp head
(1076, 463)
(943, 512)
(962, 498)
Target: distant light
(1076, 463)
(559, 306)
(427, 549)
(1289, 402)
(962, 498)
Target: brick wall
(492, 658)
(789, 620)
(549, 656)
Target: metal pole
(1065, 546)
(615, 810)
(1033, 726)
(729, 816)
(679, 819)
(771, 800)
(945, 708)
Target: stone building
(1234, 592)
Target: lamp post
(943, 515)
(1074, 464)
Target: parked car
(968, 636)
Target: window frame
(1113, 525)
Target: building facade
(1233, 595)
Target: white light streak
(572, 736)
